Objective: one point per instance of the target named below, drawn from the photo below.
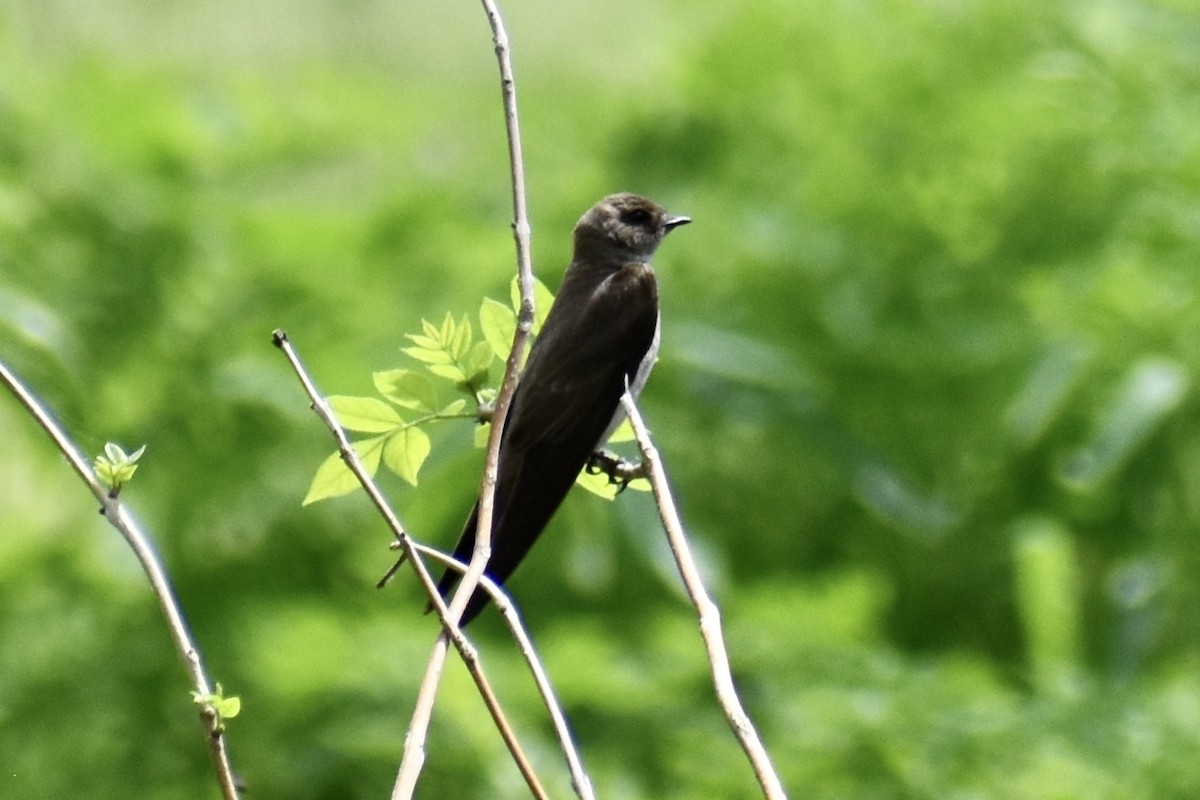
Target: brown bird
(601, 333)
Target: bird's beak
(675, 222)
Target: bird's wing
(563, 404)
(577, 369)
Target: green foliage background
(926, 392)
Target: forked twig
(579, 779)
(451, 630)
(147, 556)
(710, 615)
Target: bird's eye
(636, 216)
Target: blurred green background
(926, 391)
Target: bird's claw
(619, 471)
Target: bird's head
(623, 227)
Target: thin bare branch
(451, 632)
(579, 779)
(160, 584)
(414, 747)
(710, 616)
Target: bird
(601, 335)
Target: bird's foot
(619, 470)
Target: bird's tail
(450, 578)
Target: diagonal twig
(139, 541)
(405, 543)
(710, 615)
(579, 779)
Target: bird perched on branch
(601, 334)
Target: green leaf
(454, 408)
(498, 323)
(428, 355)
(450, 371)
(226, 707)
(482, 432)
(405, 451)
(477, 363)
(447, 351)
(623, 432)
(543, 298)
(364, 414)
(407, 389)
(334, 478)
(596, 484)
(424, 342)
(462, 339)
(115, 468)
